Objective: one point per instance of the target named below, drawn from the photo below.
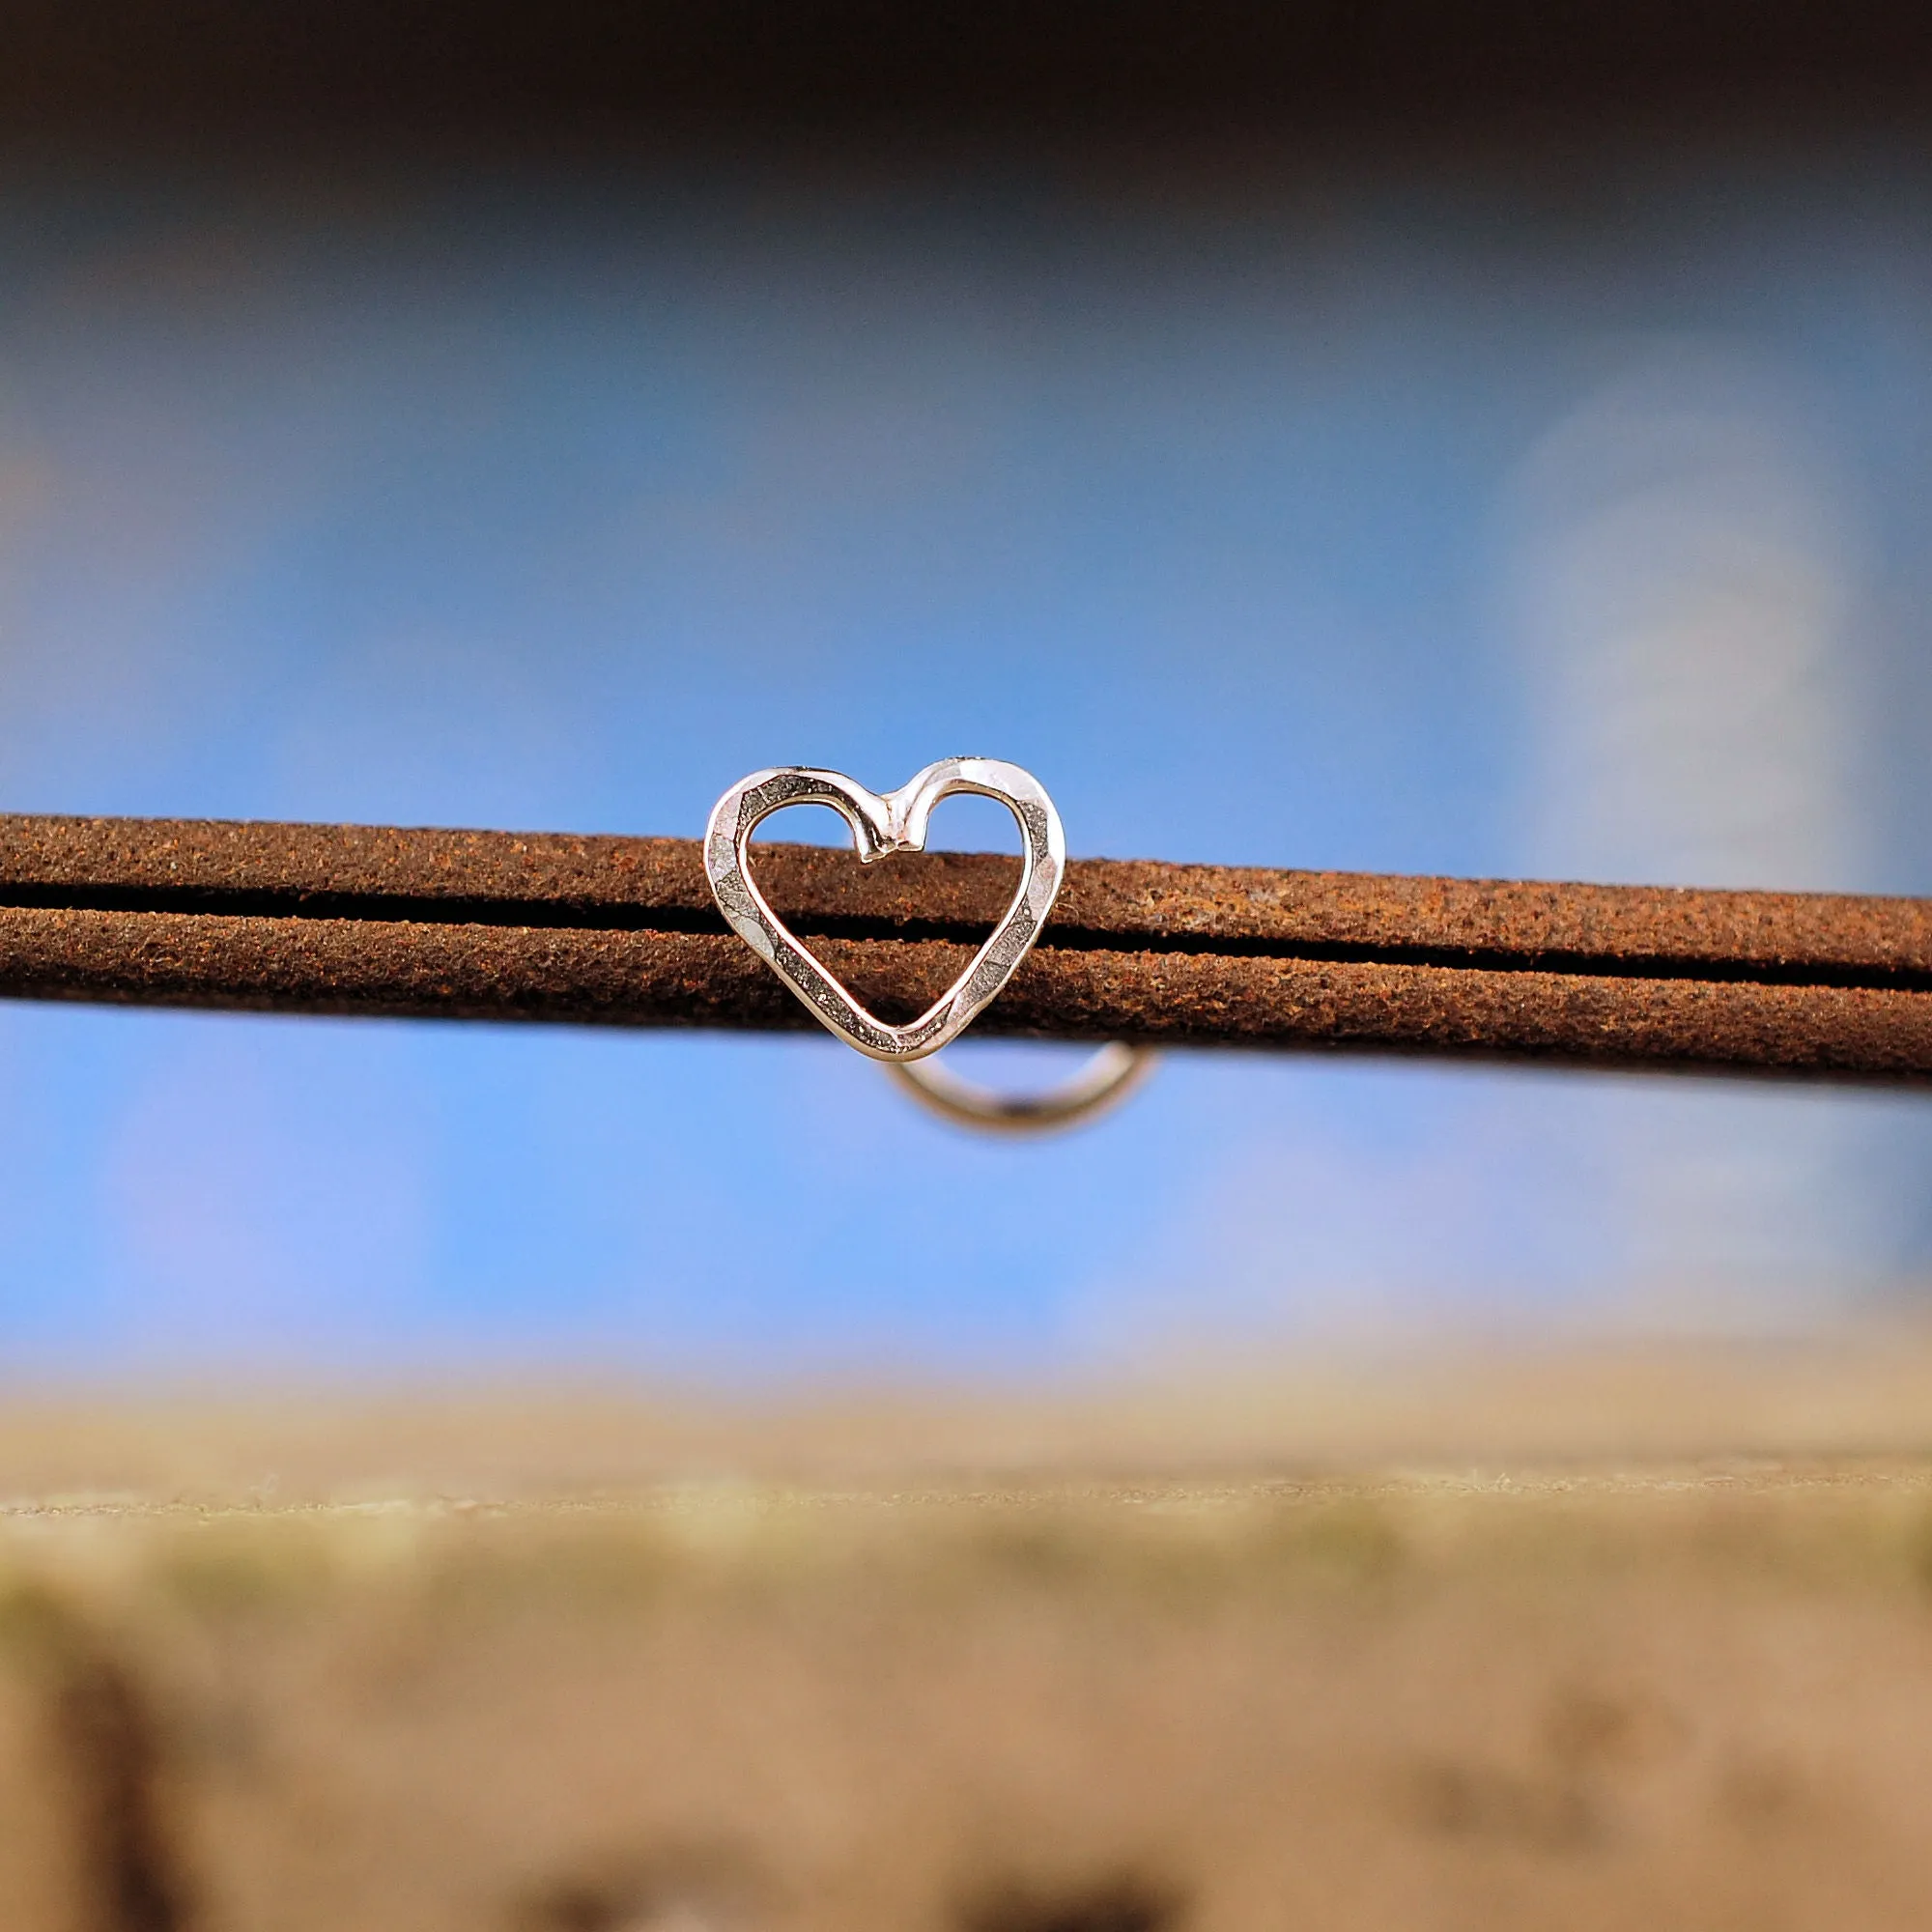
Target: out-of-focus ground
(1588, 1638)
(1597, 1400)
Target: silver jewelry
(882, 826)
(1108, 1077)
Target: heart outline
(882, 826)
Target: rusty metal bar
(495, 926)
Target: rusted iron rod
(378, 921)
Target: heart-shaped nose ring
(881, 826)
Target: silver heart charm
(881, 827)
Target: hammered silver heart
(882, 826)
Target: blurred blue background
(1330, 517)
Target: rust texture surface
(618, 930)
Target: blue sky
(1337, 524)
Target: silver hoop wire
(884, 824)
(1106, 1080)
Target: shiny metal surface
(882, 826)
(1108, 1077)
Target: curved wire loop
(881, 826)
(1103, 1082)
